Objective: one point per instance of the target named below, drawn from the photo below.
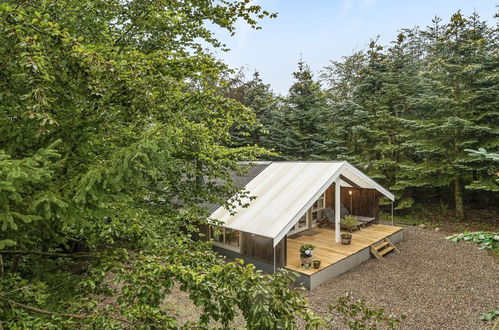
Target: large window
(226, 238)
(232, 237)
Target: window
(302, 222)
(226, 238)
(232, 237)
(217, 234)
(319, 204)
(311, 217)
(317, 213)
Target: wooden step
(383, 248)
(381, 245)
(386, 250)
(392, 245)
(376, 253)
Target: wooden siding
(329, 202)
(365, 202)
(261, 248)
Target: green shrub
(486, 240)
(489, 316)
(350, 221)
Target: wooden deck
(327, 250)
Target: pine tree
(258, 96)
(370, 94)
(407, 112)
(450, 119)
(299, 131)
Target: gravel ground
(437, 283)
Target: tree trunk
(458, 198)
(199, 177)
(14, 264)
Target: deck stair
(381, 249)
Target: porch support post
(392, 213)
(337, 196)
(274, 257)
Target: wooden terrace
(328, 251)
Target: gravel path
(437, 283)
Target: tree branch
(46, 312)
(130, 28)
(51, 254)
(43, 311)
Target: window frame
(223, 244)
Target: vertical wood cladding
(364, 202)
(261, 248)
(329, 202)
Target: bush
(489, 316)
(350, 221)
(486, 240)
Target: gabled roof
(285, 191)
(240, 181)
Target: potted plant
(346, 239)
(306, 253)
(316, 263)
(350, 223)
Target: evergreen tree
(450, 117)
(370, 94)
(406, 113)
(258, 96)
(299, 131)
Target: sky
(323, 30)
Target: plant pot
(346, 240)
(305, 260)
(350, 229)
(316, 264)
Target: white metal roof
(285, 191)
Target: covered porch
(300, 203)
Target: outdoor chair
(363, 221)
